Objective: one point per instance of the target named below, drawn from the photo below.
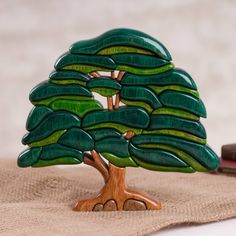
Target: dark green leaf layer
(137, 60)
(102, 82)
(68, 75)
(183, 101)
(126, 37)
(130, 116)
(202, 153)
(138, 93)
(29, 157)
(156, 157)
(71, 59)
(98, 134)
(46, 90)
(172, 77)
(36, 115)
(78, 139)
(171, 122)
(54, 151)
(57, 120)
(114, 145)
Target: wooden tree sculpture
(151, 119)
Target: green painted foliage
(54, 154)
(104, 86)
(53, 151)
(183, 101)
(121, 37)
(138, 93)
(120, 161)
(46, 90)
(137, 60)
(156, 157)
(123, 49)
(104, 82)
(113, 145)
(29, 157)
(78, 139)
(130, 116)
(57, 161)
(68, 59)
(171, 77)
(69, 75)
(98, 134)
(55, 121)
(175, 112)
(36, 115)
(158, 122)
(79, 108)
(201, 153)
(162, 109)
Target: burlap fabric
(39, 201)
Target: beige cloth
(39, 201)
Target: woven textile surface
(39, 201)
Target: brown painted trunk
(115, 195)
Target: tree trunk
(115, 195)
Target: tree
(151, 119)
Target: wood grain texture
(115, 190)
(157, 127)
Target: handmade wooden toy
(151, 119)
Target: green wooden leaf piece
(141, 71)
(80, 108)
(36, 115)
(171, 122)
(179, 153)
(183, 101)
(104, 86)
(149, 166)
(139, 93)
(54, 151)
(102, 82)
(117, 126)
(29, 157)
(175, 112)
(129, 116)
(86, 68)
(58, 120)
(123, 49)
(159, 89)
(121, 37)
(53, 138)
(47, 90)
(68, 82)
(143, 105)
(68, 77)
(137, 60)
(105, 92)
(68, 59)
(156, 156)
(172, 77)
(57, 161)
(61, 75)
(78, 139)
(177, 133)
(114, 145)
(98, 134)
(119, 161)
(48, 101)
(201, 153)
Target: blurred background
(200, 35)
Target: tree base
(115, 196)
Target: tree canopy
(155, 101)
